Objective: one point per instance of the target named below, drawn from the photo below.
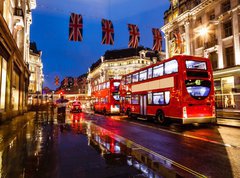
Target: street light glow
(203, 31)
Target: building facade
(15, 20)
(36, 69)
(208, 28)
(116, 63)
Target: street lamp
(203, 31)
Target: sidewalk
(228, 117)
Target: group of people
(229, 101)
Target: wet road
(75, 147)
(51, 147)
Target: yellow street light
(203, 31)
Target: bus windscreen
(198, 89)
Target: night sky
(64, 58)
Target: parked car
(76, 107)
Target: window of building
(227, 27)
(211, 15)
(199, 41)
(3, 68)
(198, 21)
(229, 57)
(197, 2)
(214, 60)
(226, 6)
(158, 70)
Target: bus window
(135, 77)
(107, 85)
(158, 70)
(128, 79)
(143, 75)
(167, 97)
(149, 98)
(116, 96)
(135, 99)
(158, 98)
(150, 73)
(116, 86)
(171, 67)
(198, 89)
(196, 65)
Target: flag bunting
(75, 27)
(107, 32)
(157, 39)
(134, 35)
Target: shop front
(227, 88)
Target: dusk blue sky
(64, 58)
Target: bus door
(143, 104)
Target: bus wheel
(161, 118)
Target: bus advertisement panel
(106, 97)
(179, 88)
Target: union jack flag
(157, 39)
(134, 36)
(75, 27)
(75, 82)
(178, 43)
(65, 81)
(56, 80)
(107, 32)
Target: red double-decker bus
(106, 97)
(178, 88)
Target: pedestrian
(232, 102)
(226, 101)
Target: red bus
(178, 88)
(106, 97)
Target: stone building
(15, 20)
(115, 63)
(36, 69)
(208, 28)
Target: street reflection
(35, 148)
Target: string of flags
(76, 32)
(66, 80)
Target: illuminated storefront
(208, 29)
